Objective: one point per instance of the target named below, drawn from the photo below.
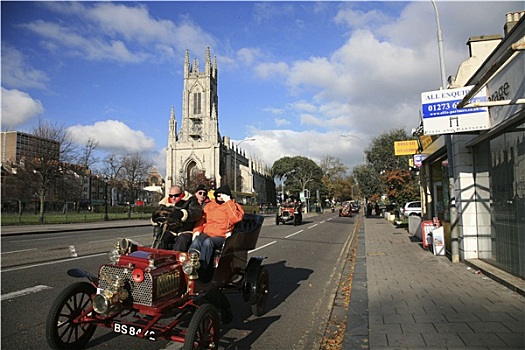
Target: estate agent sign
(440, 115)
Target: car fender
(78, 273)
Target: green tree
(381, 153)
(299, 172)
(370, 183)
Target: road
(304, 263)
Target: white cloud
(113, 136)
(18, 107)
(16, 73)
(281, 121)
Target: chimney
(512, 19)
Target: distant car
(354, 207)
(412, 208)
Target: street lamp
(360, 139)
(454, 233)
(235, 164)
(106, 218)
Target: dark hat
(223, 189)
(201, 187)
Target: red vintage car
(289, 212)
(346, 209)
(153, 293)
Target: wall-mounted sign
(440, 115)
(404, 148)
(418, 159)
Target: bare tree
(86, 160)
(135, 170)
(52, 157)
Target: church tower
(196, 148)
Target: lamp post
(448, 142)
(235, 164)
(106, 218)
(360, 139)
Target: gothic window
(197, 104)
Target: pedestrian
(217, 223)
(183, 211)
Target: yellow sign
(426, 140)
(404, 148)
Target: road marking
(312, 226)
(116, 239)
(261, 247)
(18, 251)
(293, 234)
(51, 262)
(72, 251)
(27, 291)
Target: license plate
(132, 330)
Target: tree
(369, 181)
(381, 153)
(53, 156)
(86, 160)
(401, 186)
(135, 170)
(300, 173)
(334, 180)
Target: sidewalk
(404, 297)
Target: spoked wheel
(61, 330)
(203, 331)
(262, 290)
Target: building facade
(198, 148)
(488, 167)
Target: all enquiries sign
(441, 115)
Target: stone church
(197, 147)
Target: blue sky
(293, 75)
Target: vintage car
(346, 209)
(288, 212)
(153, 293)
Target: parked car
(412, 208)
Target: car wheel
(203, 330)
(263, 285)
(64, 329)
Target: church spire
(207, 67)
(187, 64)
(172, 133)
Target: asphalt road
(304, 263)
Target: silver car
(412, 208)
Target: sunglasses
(174, 195)
(201, 193)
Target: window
(197, 104)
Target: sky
(310, 79)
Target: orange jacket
(219, 219)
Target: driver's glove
(195, 234)
(176, 215)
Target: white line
(293, 234)
(51, 262)
(73, 251)
(27, 291)
(18, 251)
(312, 226)
(261, 247)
